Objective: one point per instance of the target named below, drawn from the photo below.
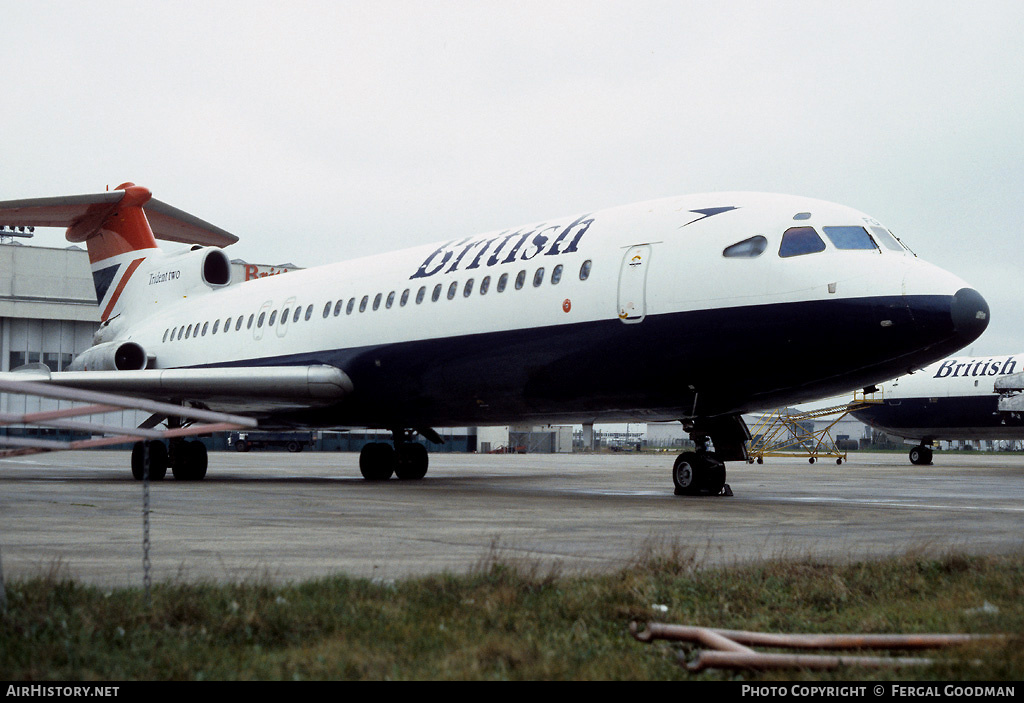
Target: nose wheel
(698, 473)
(921, 455)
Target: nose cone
(970, 314)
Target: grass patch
(507, 621)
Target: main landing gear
(407, 460)
(187, 460)
(921, 455)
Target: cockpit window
(885, 237)
(797, 241)
(850, 237)
(748, 248)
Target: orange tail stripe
(120, 287)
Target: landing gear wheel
(921, 455)
(377, 461)
(189, 460)
(157, 461)
(684, 474)
(714, 475)
(411, 461)
(698, 473)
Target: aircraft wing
(85, 212)
(249, 389)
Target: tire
(190, 461)
(157, 460)
(411, 461)
(377, 461)
(920, 455)
(685, 473)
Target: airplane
(694, 308)
(955, 398)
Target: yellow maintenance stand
(787, 432)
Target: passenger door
(633, 284)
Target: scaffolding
(788, 432)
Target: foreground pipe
(731, 652)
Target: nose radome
(970, 314)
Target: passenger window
(273, 319)
(556, 274)
(166, 333)
(188, 332)
(520, 280)
(436, 294)
(363, 302)
(468, 289)
(484, 285)
(181, 331)
(798, 241)
(376, 301)
(850, 237)
(350, 306)
(452, 289)
(420, 293)
(327, 308)
(502, 282)
(238, 323)
(390, 300)
(216, 326)
(259, 322)
(337, 307)
(227, 325)
(747, 249)
(585, 270)
(295, 315)
(405, 298)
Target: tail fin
(117, 231)
(119, 239)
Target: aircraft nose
(970, 314)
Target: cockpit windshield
(887, 239)
(850, 238)
(797, 241)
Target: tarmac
(280, 517)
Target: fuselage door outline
(632, 296)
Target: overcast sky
(318, 131)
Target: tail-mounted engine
(111, 356)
